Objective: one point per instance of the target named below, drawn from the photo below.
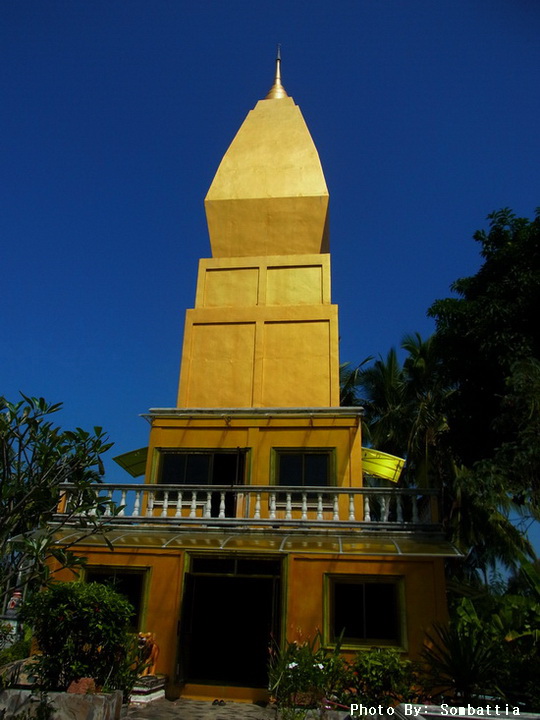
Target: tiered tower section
(263, 332)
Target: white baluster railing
(258, 505)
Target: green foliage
(491, 645)
(6, 634)
(489, 327)
(461, 661)
(81, 630)
(18, 651)
(463, 406)
(349, 379)
(304, 673)
(383, 677)
(38, 460)
(404, 406)
(308, 675)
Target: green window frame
(301, 467)
(365, 611)
(201, 466)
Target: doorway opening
(230, 613)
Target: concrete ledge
(66, 706)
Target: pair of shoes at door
(218, 702)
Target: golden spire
(269, 195)
(277, 90)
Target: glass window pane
(381, 604)
(365, 612)
(349, 611)
(173, 469)
(197, 468)
(228, 468)
(290, 469)
(316, 466)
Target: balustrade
(260, 505)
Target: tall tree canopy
(481, 334)
(463, 407)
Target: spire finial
(277, 90)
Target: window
(127, 582)
(236, 565)
(365, 610)
(301, 468)
(202, 467)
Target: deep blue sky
(115, 115)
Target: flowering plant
(302, 674)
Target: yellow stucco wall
(163, 580)
(423, 584)
(261, 435)
(303, 600)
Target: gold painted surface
(268, 226)
(269, 195)
(231, 287)
(296, 364)
(221, 365)
(277, 90)
(423, 593)
(162, 599)
(291, 292)
(304, 612)
(268, 280)
(288, 358)
(294, 286)
(262, 435)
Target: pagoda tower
(254, 523)
(263, 332)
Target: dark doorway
(228, 621)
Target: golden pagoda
(263, 332)
(255, 522)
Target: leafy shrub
(18, 651)
(382, 676)
(81, 630)
(490, 647)
(303, 674)
(308, 674)
(462, 661)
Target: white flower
(292, 665)
(319, 665)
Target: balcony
(258, 506)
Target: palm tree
(404, 408)
(405, 415)
(348, 383)
(427, 395)
(381, 389)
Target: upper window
(300, 468)
(365, 610)
(202, 467)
